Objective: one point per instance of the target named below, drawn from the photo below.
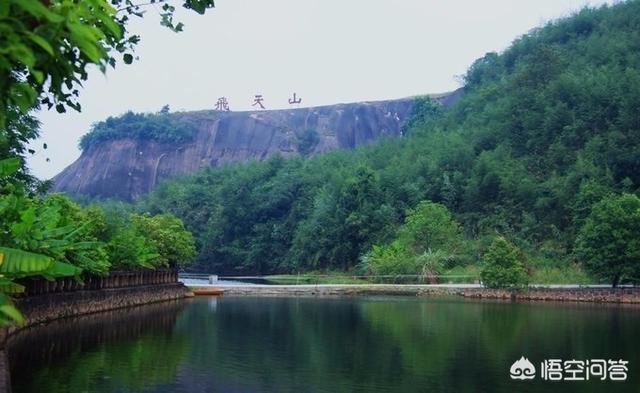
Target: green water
(370, 344)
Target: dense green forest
(162, 126)
(544, 131)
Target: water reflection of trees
(121, 350)
(404, 345)
(318, 345)
(462, 346)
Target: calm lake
(360, 344)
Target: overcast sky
(328, 51)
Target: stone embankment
(45, 308)
(44, 301)
(593, 295)
(586, 294)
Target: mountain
(545, 131)
(125, 157)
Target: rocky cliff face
(127, 168)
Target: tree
(503, 266)
(609, 241)
(423, 110)
(430, 226)
(425, 243)
(172, 241)
(48, 45)
(20, 129)
(130, 250)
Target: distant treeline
(543, 132)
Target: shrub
(425, 244)
(503, 266)
(143, 240)
(389, 259)
(169, 237)
(131, 250)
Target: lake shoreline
(625, 295)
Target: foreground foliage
(54, 237)
(14, 261)
(47, 48)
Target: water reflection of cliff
(126, 349)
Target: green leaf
(24, 96)
(39, 10)
(20, 263)
(11, 312)
(113, 27)
(56, 232)
(4, 8)
(41, 42)
(75, 105)
(79, 230)
(8, 286)
(128, 58)
(199, 6)
(21, 228)
(23, 54)
(54, 245)
(86, 245)
(37, 75)
(61, 269)
(9, 166)
(88, 40)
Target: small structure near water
(207, 291)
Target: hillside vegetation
(544, 131)
(161, 127)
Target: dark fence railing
(40, 286)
